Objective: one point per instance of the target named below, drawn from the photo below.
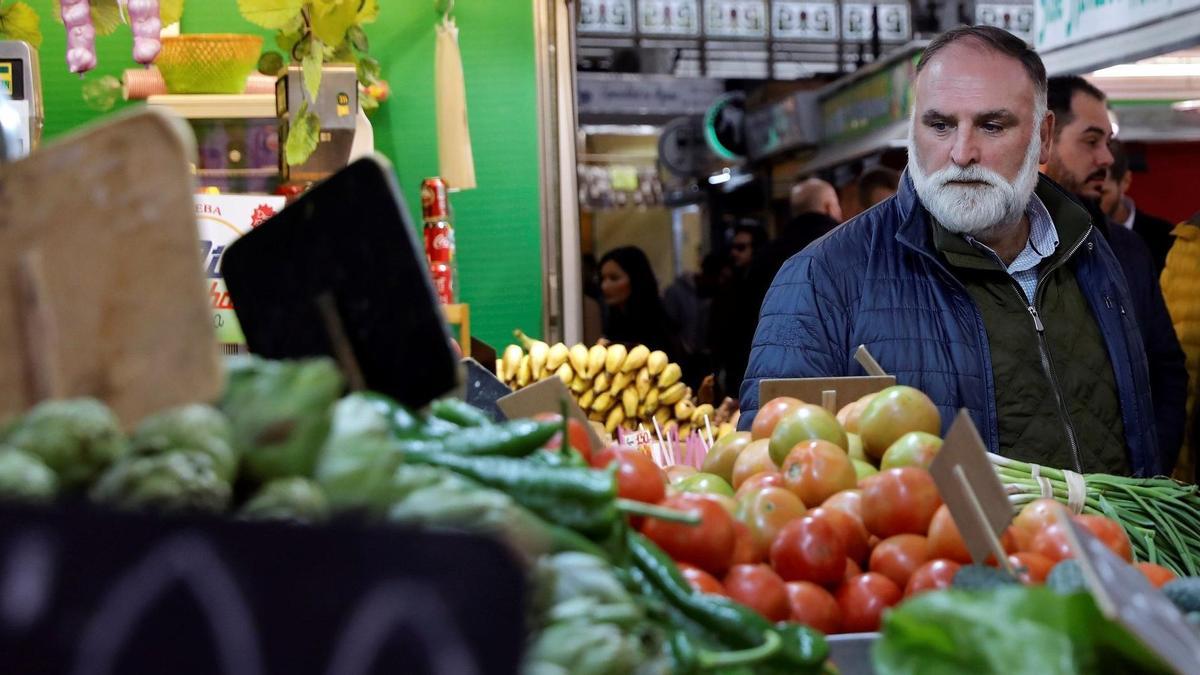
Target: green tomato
(705, 483)
(916, 448)
(724, 453)
(863, 469)
(855, 447)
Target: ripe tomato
(1033, 518)
(744, 551)
(759, 588)
(852, 570)
(700, 580)
(759, 481)
(863, 599)
(677, 473)
(814, 607)
(1156, 574)
(849, 501)
(816, 470)
(808, 549)
(754, 458)
(765, 513)
(847, 528)
(898, 557)
(770, 413)
(1110, 533)
(944, 539)
(933, 575)
(1031, 568)
(899, 501)
(638, 477)
(708, 545)
(577, 435)
(1052, 543)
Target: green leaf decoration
(332, 18)
(302, 136)
(19, 21)
(369, 11)
(270, 13)
(170, 11)
(271, 63)
(311, 67)
(106, 15)
(358, 38)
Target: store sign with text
(606, 17)
(1066, 22)
(870, 103)
(1015, 18)
(804, 20)
(669, 17)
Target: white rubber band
(1044, 483)
(1076, 491)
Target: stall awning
(894, 135)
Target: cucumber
(1185, 593)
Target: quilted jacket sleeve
(803, 329)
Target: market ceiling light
(724, 177)
(1187, 106)
(1125, 70)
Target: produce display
(616, 386)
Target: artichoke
(172, 481)
(76, 438)
(298, 500)
(191, 427)
(25, 477)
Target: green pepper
(684, 658)
(436, 427)
(459, 412)
(799, 647)
(512, 439)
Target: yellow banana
(619, 382)
(596, 356)
(615, 417)
(684, 409)
(636, 359)
(629, 400)
(662, 416)
(580, 384)
(565, 373)
(538, 351)
(579, 358)
(702, 411)
(596, 417)
(651, 401)
(614, 359)
(558, 355)
(600, 384)
(670, 375)
(512, 360)
(685, 430)
(603, 402)
(673, 394)
(643, 383)
(657, 362)
(671, 424)
(524, 372)
(585, 401)
(500, 369)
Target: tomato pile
(829, 521)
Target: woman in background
(633, 310)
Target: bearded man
(981, 283)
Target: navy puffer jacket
(878, 280)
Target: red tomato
(759, 588)
(933, 575)
(944, 539)
(700, 580)
(1033, 518)
(708, 545)
(816, 470)
(852, 570)
(766, 512)
(849, 501)
(849, 529)
(753, 459)
(759, 481)
(577, 435)
(1110, 533)
(899, 501)
(743, 551)
(770, 413)
(898, 557)
(863, 599)
(808, 549)
(638, 477)
(1156, 574)
(1052, 543)
(1031, 568)
(814, 607)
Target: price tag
(970, 489)
(484, 389)
(1125, 595)
(547, 396)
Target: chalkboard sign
(92, 593)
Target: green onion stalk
(1160, 515)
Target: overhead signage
(606, 17)
(1014, 18)
(792, 20)
(736, 18)
(669, 17)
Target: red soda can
(435, 202)
(439, 242)
(443, 282)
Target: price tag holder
(1125, 595)
(484, 389)
(971, 491)
(547, 396)
(814, 389)
(340, 273)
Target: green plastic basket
(208, 63)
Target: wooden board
(810, 389)
(101, 285)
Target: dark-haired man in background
(1120, 209)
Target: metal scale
(21, 82)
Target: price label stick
(868, 362)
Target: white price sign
(669, 17)
(894, 24)
(792, 20)
(1016, 19)
(606, 17)
(736, 18)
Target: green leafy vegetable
(76, 438)
(311, 68)
(303, 136)
(25, 477)
(175, 481)
(296, 500)
(332, 18)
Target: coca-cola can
(435, 203)
(443, 282)
(439, 242)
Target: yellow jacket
(1181, 289)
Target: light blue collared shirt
(1043, 241)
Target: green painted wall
(498, 230)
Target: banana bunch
(615, 386)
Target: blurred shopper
(1080, 159)
(688, 304)
(633, 310)
(980, 283)
(734, 312)
(1121, 210)
(1181, 287)
(877, 184)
